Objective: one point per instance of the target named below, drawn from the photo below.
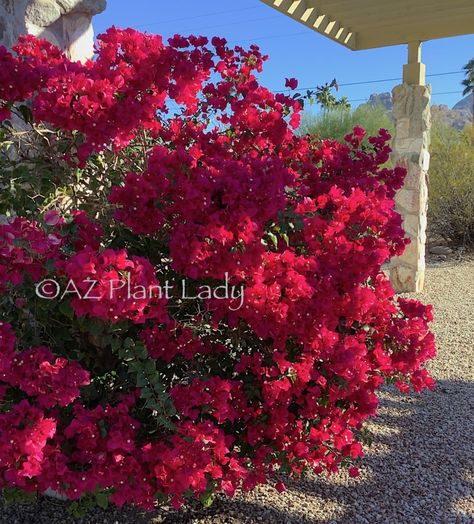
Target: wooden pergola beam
(386, 35)
(379, 23)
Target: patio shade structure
(367, 24)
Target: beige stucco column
(411, 109)
(65, 23)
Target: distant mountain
(465, 103)
(458, 116)
(384, 99)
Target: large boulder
(65, 23)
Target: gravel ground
(420, 468)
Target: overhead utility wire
(364, 82)
(198, 16)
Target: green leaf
(134, 366)
(207, 498)
(147, 393)
(49, 265)
(102, 500)
(116, 344)
(18, 496)
(26, 113)
(154, 379)
(95, 327)
(125, 353)
(273, 238)
(141, 351)
(128, 343)
(103, 428)
(161, 498)
(141, 380)
(66, 309)
(150, 366)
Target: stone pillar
(411, 109)
(65, 23)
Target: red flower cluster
(170, 339)
(24, 432)
(190, 396)
(25, 249)
(88, 232)
(51, 381)
(112, 97)
(112, 286)
(224, 399)
(217, 206)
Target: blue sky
(294, 50)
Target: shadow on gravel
(420, 466)
(418, 470)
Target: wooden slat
(309, 16)
(283, 5)
(350, 41)
(332, 29)
(322, 22)
(297, 9)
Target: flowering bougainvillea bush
(167, 169)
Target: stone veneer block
(406, 278)
(408, 201)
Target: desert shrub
(336, 123)
(451, 185)
(117, 386)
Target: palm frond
(468, 82)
